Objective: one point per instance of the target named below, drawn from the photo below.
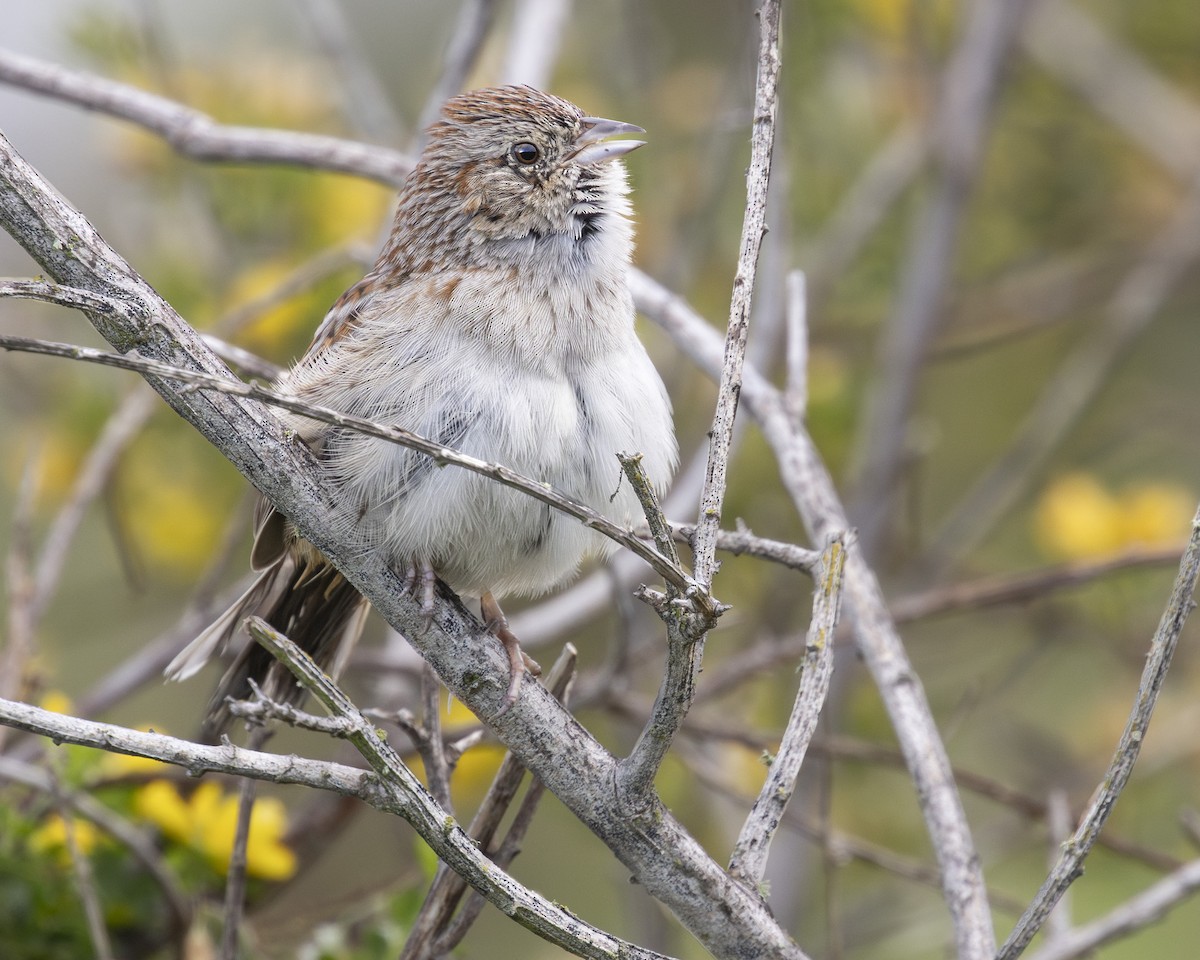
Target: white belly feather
(545, 408)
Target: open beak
(593, 147)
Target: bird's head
(513, 163)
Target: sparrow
(497, 320)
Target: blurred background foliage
(1030, 695)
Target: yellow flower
(456, 715)
(475, 769)
(282, 319)
(207, 822)
(342, 207)
(889, 17)
(51, 837)
(267, 856)
(56, 702)
(57, 467)
(828, 377)
(172, 516)
(160, 803)
(1155, 514)
(1077, 518)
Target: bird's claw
(420, 573)
(519, 662)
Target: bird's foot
(419, 575)
(519, 663)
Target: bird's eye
(525, 153)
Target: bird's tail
(309, 602)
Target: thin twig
(235, 874)
(120, 430)
(433, 921)
(661, 531)
(811, 487)
(140, 845)
(262, 708)
(743, 542)
(749, 858)
(1149, 906)
(81, 868)
(449, 841)
(685, 645)
(82, 300)
(1075, 850)
(475, 21)
(968, 91)
(242, 359)
(20, 590)
(754, 227)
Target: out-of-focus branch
(120, 430)
(400, 794)
(364, 100)
(968, 92)
(866, 203)
(1121, 86)
(195, 134)
(302, 277)
(19, 592)
(139, 844)
(1076, 849)
(795, 391)
(1149, 906)
(1065, 397)
(1023, 587)
(475, 21)
(81, 868)
(811, 487)
(534, 40)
